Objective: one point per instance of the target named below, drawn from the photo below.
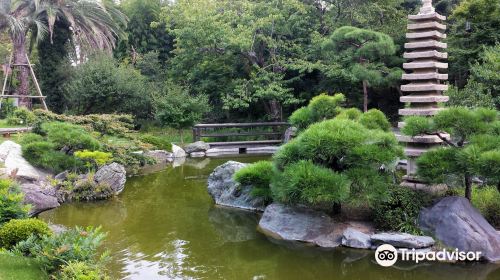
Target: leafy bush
(259, 176)
(400, 211)
(301, 118)
(375, 119)
(102, 86)
(16, 230)
(11, 202)
(69, 137)
(81, 271)
(55, 251)
(94, 159)
(7, 108)
(487, 200)
(304, 182)
(21, 116)
(157, 142)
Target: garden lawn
(17, 268)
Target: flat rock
(227, 192)
(11, 157)
(356, 239)
(198, 146)
(299, 224)
(402, 240)
(178, 152)
(160, 156)
(113, 175)
(40, 198)
(456, 223)
(197, 154)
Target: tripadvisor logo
(387, 255)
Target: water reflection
(164, 226)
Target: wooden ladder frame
(10, 69)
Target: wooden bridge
(232, 135)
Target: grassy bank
(15, 268)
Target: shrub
(55, 251)
(301, 118)
(16, 230)
(112, 124)
(43, 155)
(81, 271)
(259, 176)
(375, 119)
(21, 116)
(487, 200)
(400, 211)
(350, 114)
(29, 138)
(306, 183)
(11, 202)
(93, 159)
(321, 107)
(69, 136)
(324, 107)
(157, 142)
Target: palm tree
(95, 25)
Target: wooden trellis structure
(9, 71)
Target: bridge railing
(272, 132)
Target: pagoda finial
(427, 7)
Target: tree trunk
(498, 186)
(20, 58)
(468, 187)
(275, 110)
(365, 96)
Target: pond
(165, 226)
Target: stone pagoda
(423, 93)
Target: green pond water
(165, 226)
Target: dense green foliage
(16, 230)
(178, 109)
(11, 198)
(346, 148)
(55, 251)
(257, 175)
(21, 116)
(102, 86)
(473, 149)
(305, 183)
(81, 271)
(400, 211)
(321, 107)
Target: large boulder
(198, 146)
(178, 152)
(457, 224)
(112, 175)
(15, 164)
(227, 192)
(39, 197)
(290, 133)
(356, 239)
(300, 224)
(402, 240)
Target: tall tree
(54, 66)
(365, 53)
(93, 22)
(141, 37)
